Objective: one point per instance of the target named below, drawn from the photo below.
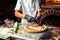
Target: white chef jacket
(28, 7)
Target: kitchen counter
(46, 35)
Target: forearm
(19, 14)
(38, 13)
(38, 16)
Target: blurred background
(7, 10)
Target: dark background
(7, 9)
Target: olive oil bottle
(16, 27)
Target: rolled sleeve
(18, 5)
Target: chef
(28, 10)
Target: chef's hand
(29, 18)
(36, 20)
(8, 22)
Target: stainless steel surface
(46, 35)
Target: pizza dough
(34, 28)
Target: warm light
(57, 1)
(49, 0)
(53, 1)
